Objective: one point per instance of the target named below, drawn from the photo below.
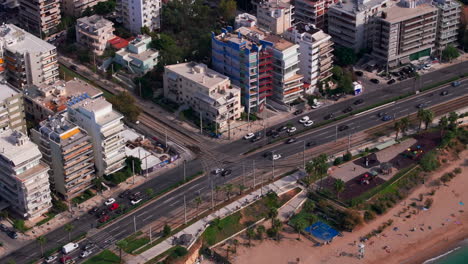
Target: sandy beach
(424, 235)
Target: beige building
(11, 109)
(274, 16)
(76, 7)
(448, 23)
(404, 32)
(313, 11)
(204, 90)
(46, 100)
(28, 60)
(94, 32)
(68, 151)
(40, 17)
(24, 181)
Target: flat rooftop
(273, 5)
(95, 21)
(279, 43)
(18, 40)
(198, 72)
(6, 91)
(61, 130)
(352, 6)
(147, 54)
(17, 148)
(58, 96)
(399, 13)
(97, 105)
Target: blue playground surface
(322, 231)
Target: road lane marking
(144, 219)
(142, 213)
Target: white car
(50, 259)
(276, 157)
(292, 129)
(427, 66)
(85, 253)
(304, 119)
(109, 201)
(218, 171)
(137, 201)
(308, 123)
(249, 136)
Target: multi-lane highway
(171, 204)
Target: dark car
(256, 138)
(94, 210)
(12, 234)
(311, 143)
(135, 196)
(124, 194)
(269, 133)
(89, 246)
(381, 114)
(392, 81)
(421, 105)
(298, 112)
(386, 118)
(282, 128)
(3, 228)
(444, 93)
(343, 127)
(329, 116)
(375, 81)
(359, 73)
(359, 101)
(291, 140)
(275, 135)
(226, 173)
(348, 109)
(73, 67)
(104, 218)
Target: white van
(69, 247)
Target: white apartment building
(138, 57)
(40, 17)
(315, 53)
(94, 32)
(105, 127)
(24, 181)
(68, 151)
(206, 91)
(274, 16)
(76, 7)
(349, 23)
(11, 109)
(28, 60)
(448, 23)
(245, 20)
(135, 14)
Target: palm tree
(428, 117)
(121, 244)
(260, 231)
(453, 117)
(276, 225)
(443, 125)
(420, 116)
(228, 189)
(69, 228)
(149, 192)
(318, 167)
(41, 240)
(272, 214)
(235, 242)
(299, 224)
(250, 234)
(198, 200)
(217, 189)
(241, 189)
(397, 127)
(339, 187)
(404, 122)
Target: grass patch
(135, 241)
(105, 257)
(86, 195)
(50, 216)
(222, 228)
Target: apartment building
(275, 16)
(449, 13)
(24, 182)
(76, 7)
(313, 11)
(404, 32)
(104, 125)
(207, 92)
(40, 17)
(42, 101)
(138, 57)
(68, 151)
(246, 64)
(94, 32)
(11, 109)
(245, 20)
(315, 53)
(28, 60)
(350, 22)
(135, 14)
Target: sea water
(457, 255)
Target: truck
(69, 247)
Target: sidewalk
(280, 186)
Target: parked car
(65, 259)
(12, 234)
(444, 93)
(226, 172)
(292, 130)
(94, 210)
(50, 259)
(308, 123)
(282, 128)
(275, 135)
(375, 81)
(276, 157)
(85, 253)
(456, 83)
(73, 67)
(311, 143)
(114, 207)
(348, 109)
(124, 194)
(69, 247)
(343, 127)
(304, 119)
(291, 140)
(329, 116)
(135, 201)
(109, 201)
(218, 170)
(298, 112)
(269, 133)
(256, 138)
(381, 114)
(421, 105)
(359, 73)
(3, 228)
(386, 118)
(392, 81)
(104, 218)
(359, 101)
(135, 196)
(249, 136)
(89, 246)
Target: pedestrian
(354, 169)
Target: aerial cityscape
(233, 131)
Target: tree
(429, 161)
(318, 167)
(405, 123)
(121, 244)
(41, 240)
(272, 214)
(227, 9)
(235, 242)
(228, 189)
(276, 226)
(250, 234)
(347, 156)
(443, 125)
(133, 163)
(397, 127)
(59, 206)
(339, 187)
(97, 182)
(453, 118)
(420, 116)
(427, 118)
(260, 231)
(198, 201)
(104, 8)
(149, 192)
(241, 188)
(299, 223)
(125, 103)
(450, 53)
(69, 228)
(88, 12)
(166, 230)
(345, 56)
